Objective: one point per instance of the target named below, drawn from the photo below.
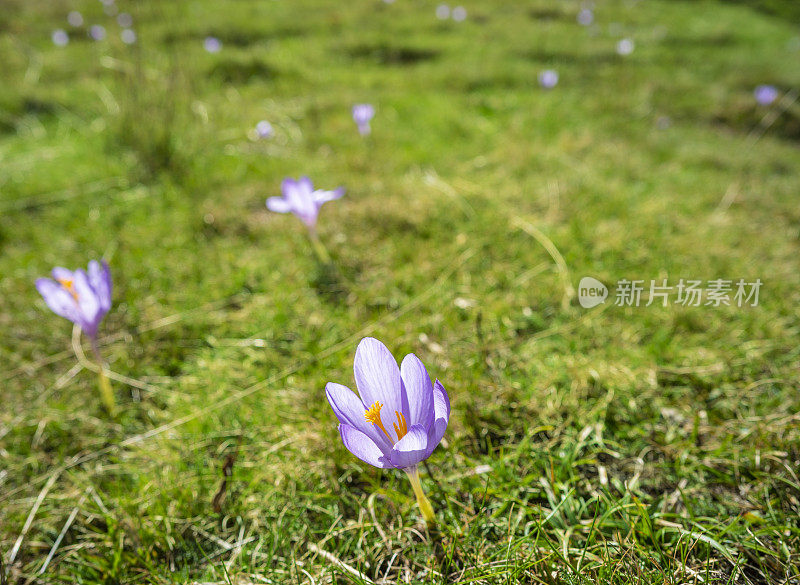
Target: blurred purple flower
(60, 38)
(459, 14)
(443, 12)
(765, 94)
(264, 129)
(362, 114)
(97, 32)
(212, 44)
(548, 79)
(585, 17)
(300, 198)
(416, 411)
(83, 297)
(75, 18)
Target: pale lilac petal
(411, 449)
(59, 300)
(321, 196)
(298, 196)
(378, 379)
(362, 447)
(278, 204)
(60, 274)
(87, 302)
(441, 409)
(100, 280)
(349, 409)
(418, 406)
(305, 185)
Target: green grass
(611, 445)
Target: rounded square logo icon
(591, 292)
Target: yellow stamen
(400, 427)
(373, 415)
(67, 284)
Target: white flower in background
(625, 47)
(75, 18)
(128, 36)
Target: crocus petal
(362, 446)
(378, 379)
(441, 409)
(60, 273)
(59, 300)
(411, 449)
(278, 204)
(418, 401)
(349, 409)
(87, 302)
(100, 280)
(321, 196)
(298, 196)
(305, 185)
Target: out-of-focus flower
(75, 18)
(443, 12)
(459, 14)
(625, 47)
(548, 79)
(264, 129)
(585, 17)
(125, 20)
(765, 94)
(362, 114)
(399, 418)
(83, 297)
(212, 44)
(97, 32)
(128, 36)
(60, 38)
(300, 198)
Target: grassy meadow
(616, 444)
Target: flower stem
(106, 393)
(319, 248)
(422, 500)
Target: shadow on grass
(385, 54)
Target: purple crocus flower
(97, 32)
(300, 198)
(400, 416)
(401, 399)
(264, 129)
(83, 297)
(548, 78)
(60, 38)
(765, 94)
(362, 114)
(212, 44)
(585, 17)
